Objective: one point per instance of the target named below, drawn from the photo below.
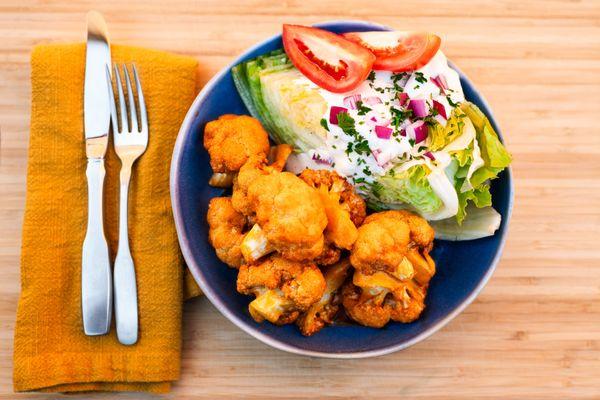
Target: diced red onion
(429, 155)
(317, 158)
(382, 157)
(403, 98)
(372, 100)
(440, 109)
(440, 81)
(420, 132)
(333, 113)
(403, 132)
(383, 132)
(417, 130)
(350, 101)
(418, 107)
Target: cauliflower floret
(381, 245)
(290, 215)
(372, 300)
(322, 312)
(349, 199)
(344, 208)
(226, 230)
(248, 174)
(387, 240)
(393, 269)
(230, 140)
(283, 288)
(253, 168)
(421, 233)
(365, 311)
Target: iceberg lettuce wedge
(452, 188)
(276, 93)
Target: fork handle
(96, 283)
(126, 309)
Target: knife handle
(96, 279)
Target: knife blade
(96, 279)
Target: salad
(385, 111)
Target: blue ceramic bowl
(463, 267)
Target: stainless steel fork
(130, 140)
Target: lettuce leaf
(464, 158)
(482, 222)
(494, 154)
(480, 197)
(406, 189)
(495, 158)
(439, 136)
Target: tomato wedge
(398, 51)
(327, 59)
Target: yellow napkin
(51, 352)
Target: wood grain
(534, 332)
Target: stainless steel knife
(96, 279)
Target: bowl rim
(195, 269)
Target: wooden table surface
(534, 331)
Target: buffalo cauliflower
(344, 208)
(289, 215)
(324, 311)
(254, 167)
(283, 288)
(230, 140)
(372, 300)
(387, 239)
(393, 269)
(226, 230)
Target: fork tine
(132, 112)
(122, 107)
(111, 101)
(141, 101)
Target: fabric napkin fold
(51, 352)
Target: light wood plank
(534, 332)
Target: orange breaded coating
(252, 169)
(386, 238)
(421, 233)
(374, 300)
(344, 208)
(231, 139)
(290, 213)
(366, 312)
(382, 244)
(283, 288)
(393, 269)
(324, 311)
(226, 230)
(349, 199)
(330, 254)
(248, 174)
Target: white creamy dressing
(398, 152)
(348, 165)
